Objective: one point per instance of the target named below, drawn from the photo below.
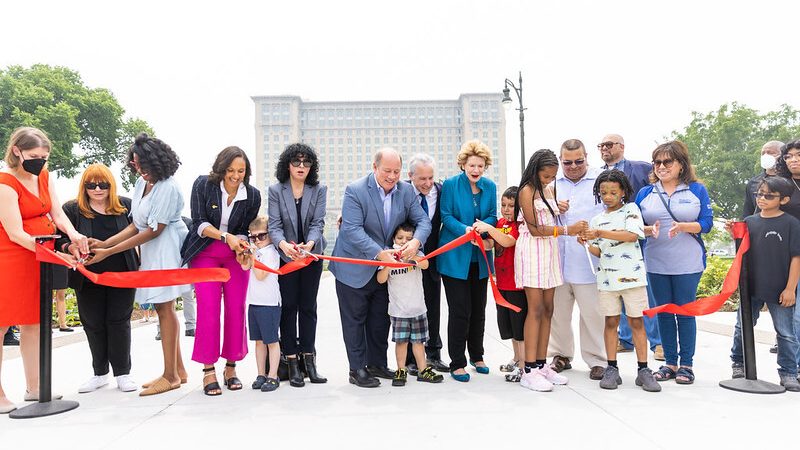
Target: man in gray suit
(373, 207)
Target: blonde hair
(474, 148)
(259, 221)
(25, 138)
(99, 173)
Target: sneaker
(737, 370)
(94, 383)
(552, 376)
(790, 383)
(611, 378)
(158, 335)
(125, 383)
(535, 381)
(400, 377)
(509, 367)
(658, 353)
(514, 376)
(647, 381)
(189, 332)
(429, 376)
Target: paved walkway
(487, 412)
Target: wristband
(555, 231)
(223, 237)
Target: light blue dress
(163, 204)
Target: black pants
(106, 317)
(466, 301)
(365, 322)
(299, 308)
(432, 287)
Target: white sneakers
(542, 380)
(125, 383)
(94, 383)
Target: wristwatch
(223, 237)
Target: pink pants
(209, 300)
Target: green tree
(725, 147)
(85, 125)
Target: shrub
(711, 281)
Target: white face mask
(768, 161)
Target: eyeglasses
(767, 196)
(92, 186)
(667, 163)
(790, 156)
(259, 236)
(608, 144)
(297, 162)
(577, 162)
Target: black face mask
(34, 166)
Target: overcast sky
(637, 68)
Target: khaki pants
(592, 324)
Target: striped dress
(536, 260)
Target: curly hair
(474, 148)
(678, 151)
(530, 177)
(780, 166)
(613, 176)
(156, 158)
(294, 151)
(224, 160)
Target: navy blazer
(206, 204)
(436, 224)
(283, 215)
(364, 232)
(84, 226)
(638, 173)
(458, 213)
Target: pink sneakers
(553, 376)
(535, 381)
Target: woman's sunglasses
(297, 162)
(259, 237)
(92, 186)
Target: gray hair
(420, 159)
(773, 144)
(379, 155)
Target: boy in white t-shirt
(264, 310)
(407, 311)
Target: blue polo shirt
(682, 254)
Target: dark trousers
(106, 317)
(365, 323)
(432, 287)
(299, 308)
(466, 301)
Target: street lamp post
(507, 104)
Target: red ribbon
(141, 278)
(709, 305)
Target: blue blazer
(364, 234)
(457, 214)
(283, 215)
(638, 173)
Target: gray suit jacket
(283, 215)
(364, 234)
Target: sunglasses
(767, 196)
(667, 163)
(259, 237)
(608, 144)
(577, 162)
(92, 186)
(297, 162)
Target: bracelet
(555, 231)
(566, 231)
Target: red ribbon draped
(141, 278)
(709, 305)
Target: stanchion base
(752, 386)
(43, 409)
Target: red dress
(19, 270)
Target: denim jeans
(676, 329)
(797, 325)
(787, 342)
(650, 326)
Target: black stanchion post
(750, 383)
(46, 406)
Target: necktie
(423, 202)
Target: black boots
(311, 369)
(295, 376)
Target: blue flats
(480, 369)
(463, 377)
